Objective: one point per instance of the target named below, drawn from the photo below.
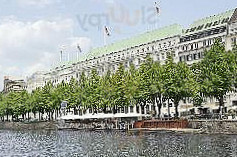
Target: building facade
(186, 45)
(14, 84)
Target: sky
(33, 32)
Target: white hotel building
(185, 45)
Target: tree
(177, 82)
(131, 85)
(92, 91)
(106, 92)
(118, 92)
(144, 82)
(196, 86)
(217, 72)
(157, 86)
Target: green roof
(147, 37)
(212, 20)
(162, 33)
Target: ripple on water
(114, 143)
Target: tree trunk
(176, 104)
(28, 116)
(168, 108)
(154, 113)
(104, 109)
(143, 107)
(39, 115)
(221, 103)
(74, 108)
(49, 118)
(55, 115)
(115, 109)
(159, 109)
(159, 105)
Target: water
(114, 143)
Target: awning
(102, 116)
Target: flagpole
(68, 56)
(104, 33)
(79, 51)
(61, 56)
(157, 12)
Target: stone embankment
(194, 126)
(214, 126)
(28, 126)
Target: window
(191, 47)
(162, 56)
(122, 109)
(173, 54)
(152, 48)
(209, 42)
(186, 47)
(233, 41)
(189, 57)
(234, 103)
(193, 29)
(196, 45)
(183, 48)
(147, 108)
(195, 56)
(131, 109)
(139, 60)
(164, 104)
(200, 27)
(126, 109)
(160, 46)
(208, 25)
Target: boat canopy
(102, 116)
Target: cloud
(39, 3)
(26, 47)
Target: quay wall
(49, 125)
(203, 126)
(214, 126)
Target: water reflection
(113, 143)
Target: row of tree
(214, 76)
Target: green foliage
(213, 76)
(177, 82)
(217, 72)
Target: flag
(107, 31)
(157, 8)
(79, 48)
